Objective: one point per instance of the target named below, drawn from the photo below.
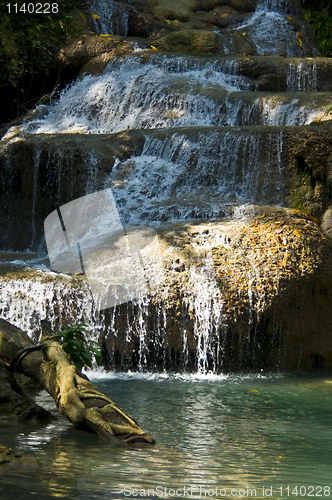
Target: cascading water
(166, 93)
(176, 177)
(301, 79)
(180, 140)
(270, 29)
(207, 303)
(207, 151)
(278, 6)
(109, 16)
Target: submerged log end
(133, 436)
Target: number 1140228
(31, 8)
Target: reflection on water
(211, 432)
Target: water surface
(233, 433)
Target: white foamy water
(177, 177)
(99, 374)
(25, 302)
(167, 93)
(284, 109)
(274, 5)
(134, 95)
(112, 17)
(269, 28)
(302, 77)
(205, 299)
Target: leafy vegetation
(324, 6)
(322, 24)
(319, 15)
(29, 43)
(80, 351)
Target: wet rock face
(189, 26)
(190, 128)
(33, 187)
(14, 405)
(245, 293)
(292, 167)
(273, 274)
(310, 170)
(248, 293)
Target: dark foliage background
(319, 15)
(29, 44)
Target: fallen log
(79, 400)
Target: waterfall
(26, 302)
(112, 17)
(173, 92)
(176, 177)
(206, 305)
(280, 6)
(302, 77)
(192, 146)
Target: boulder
(191, 42)
(90, 47)
(240, 5)
(326, 223)
(15, 404)
(7, 455)
(251, 292)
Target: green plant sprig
(80, 351)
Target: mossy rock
(7, 455)
(205, 42)
(85, 48)
(191, 42)
(239, 5)
(174, 9)
(222, 17)
(310, 172)
(10, 457)
(15, 404)
(92, 50)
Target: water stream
(200, 142)
(176, 91)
